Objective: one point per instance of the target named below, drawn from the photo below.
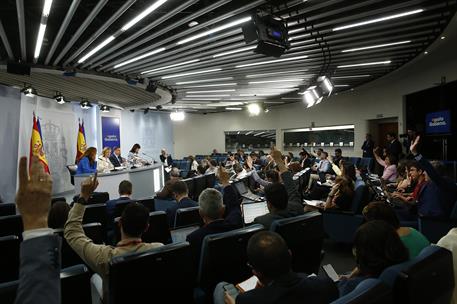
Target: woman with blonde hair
(104, 164)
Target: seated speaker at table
(116, 159)
(104, 163)
(88, 163)
(134, 157)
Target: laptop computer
(245, 192)
(179, 235)
(251, 210)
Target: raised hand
(33, 197)
(413, 147)
(249, 161)
(224, 177)
(88, 187)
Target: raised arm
(378, 158)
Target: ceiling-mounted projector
(270, 34)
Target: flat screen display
(438, 122)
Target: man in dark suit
(116, 159)
(394, 146)
(165, 158)
(270, 261)
(39, 273)
(181, 194)
(125, 192)
(368, 146)
(212, 211)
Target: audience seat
(9, 262)
(428, 278)
(148, 202)
(224, 258)
(69, 256)
(163, 272)
(58, 199)
(96, 213)
(187, 217)
(210, 180)
(72, 170)
(7, 209)
(435, 228)
(158, 230)
(74, 284)
(190, 186)
(120, 206)
(340, 226)
(369, 291)
(11, 225)
(98, 198)
(304, 235)
(163, 204)
(200, 185)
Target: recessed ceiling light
(364, 64)
(375, 46)
(425, 52)
(139, 57)
(235, 51)
(143, 14)
(191, 73)
(234, 109)
(275, 73)
(378, 19)
(351, 76)
(215, 95)
(171, 66)
(271, 61)
(215, 30)
(96, 49)
(443, 37)
(212, 85)
(204, 80)
(341, 85)
(210, 91)
(192, 23)
(39, 40)
(277, 80)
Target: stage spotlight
(152, 86)
(159, 107)
(29, 91)
(59, 98)
(177, 116)
(85, 104)
(104, 108)
(254, 109)
(146, 111)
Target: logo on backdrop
(110, 132)
(438, 122)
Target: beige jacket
(97, 257)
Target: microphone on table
(152, 158)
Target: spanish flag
(36, 144)
(81, 142)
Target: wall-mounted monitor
(438, 122)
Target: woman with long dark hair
(88, 162)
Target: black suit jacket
(292, 288)
(169, 159)
(395, 148)
(115, 161)
(184, 203)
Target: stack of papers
(314, 203)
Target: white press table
(146, 181)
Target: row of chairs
(223, 258)
(74, 283)
(428, 278)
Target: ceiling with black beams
(197, 48)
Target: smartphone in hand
(330, 272)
